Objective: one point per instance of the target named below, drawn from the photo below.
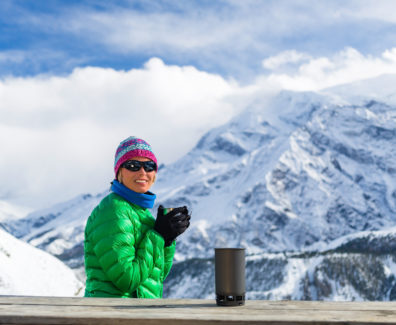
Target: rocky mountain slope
(357, 267)
(299, 174)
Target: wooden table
(52, 310)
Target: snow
(26, 270)
(295, 270)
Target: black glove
(172, 224)
(179, 220)
(162, 224)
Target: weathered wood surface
(52, 310)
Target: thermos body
(230, 276)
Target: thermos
(230, 276)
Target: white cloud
(346, 66)
(285, 58)
(390, 55)
(380, 10)
(58, 135)
(231, 25)
(127, 31)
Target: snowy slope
(58, 230)
(26, 270)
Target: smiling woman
(128, 254)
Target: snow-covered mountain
(303, 171)
(288, 179)
(27, 270)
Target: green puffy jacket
(124, 255)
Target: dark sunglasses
(135, 165)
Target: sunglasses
(135, 165)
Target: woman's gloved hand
(180, 221)
(162, 224)
(172, 224)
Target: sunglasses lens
(135, 165)
(149, 166)
(132, 165)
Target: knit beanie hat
(132, 147)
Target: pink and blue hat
(132, 147)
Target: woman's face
(139, 181)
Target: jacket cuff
(158, 237)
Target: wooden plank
(53, 310)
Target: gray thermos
(230, 276)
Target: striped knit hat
(132, 147)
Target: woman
(127, 252)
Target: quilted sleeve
(113, 243)
(169, 253)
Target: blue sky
(226, 37)
(77, 77)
